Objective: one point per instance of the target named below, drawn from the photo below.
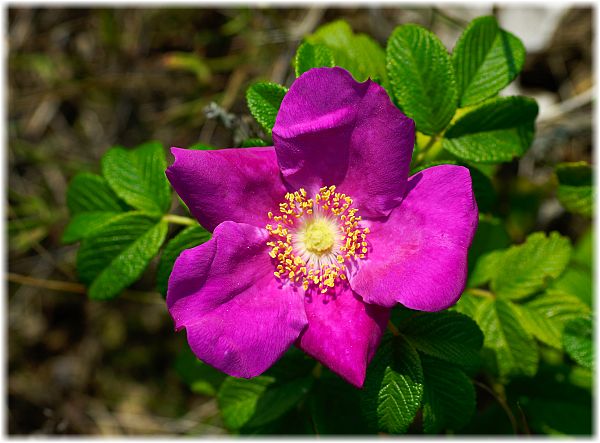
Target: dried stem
(77, 288)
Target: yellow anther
(327, 232)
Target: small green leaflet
(486, 267)
(485, 59)
(118, 253)
(545, 316)
(90, 193)
(521, 270)
(311, 56)
(448, 398)
(259, 400)
(138, 176)
(238, 398)
(92, 204)
(357, 53)
(85, 224)
(525, 268)
(468, 305)
(264, 100)
(188, 238)
(448, 336)
(584, 250)
(495, 131)
(577, 340)
(576, 280)
(575, 191)
(393, 387)
(516, 351)
(421, 77)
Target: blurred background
(82, 80)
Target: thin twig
(524, 419)
(54, 285)
(502, 403)
(564, 108)
(77, 288)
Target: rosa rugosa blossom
(316, 238)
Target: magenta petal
(418, 256)
(238, 319)
(343, 333)
(240, 185)
(332, 130)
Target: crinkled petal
(240, 185)
(223, 292)
(343, 332)
(418, 256)
(332, 130)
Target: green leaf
(118, 253)
(200, 377)
(577, 341)
(486, 59)
(357, 53)
(92, 204)
(448, 397)
(393, 387)
(86, 224)
(515, 350)
(468, 305)
(138, 176)
(545, 316)
(525, 269)
(264, 100)
(311, 56)
(485, 268)
(577, 281)
(188, 238)
(280, 399)
(496, 131)
(575, 187)
(421, 77)
(449, 336)
(238, 398)
(91, 193)
(256, 401)
(584, 250)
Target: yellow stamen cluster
(313, 239)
